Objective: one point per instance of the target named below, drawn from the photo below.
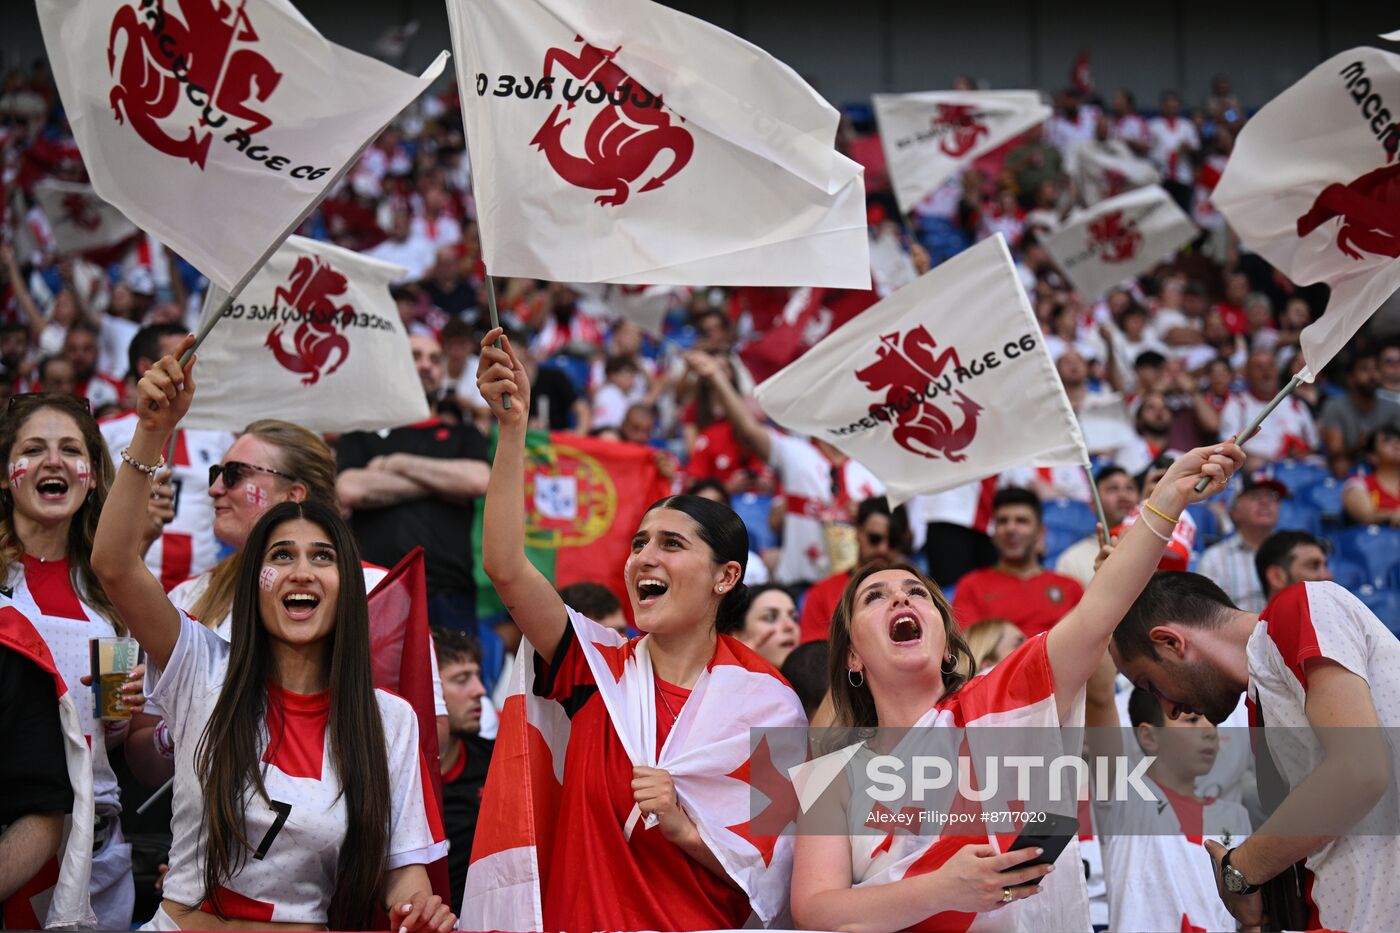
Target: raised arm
(526, 593)
(1079, 640)
(747, 428)
(116, 549)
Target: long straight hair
(228, 754)
(82, 528)
(854, 707)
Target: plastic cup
(113, 660)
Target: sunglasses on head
(236, 470)
(43, 396)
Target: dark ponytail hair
(724, 534)
(751, 593)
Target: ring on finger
(1006, 896)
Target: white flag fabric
(315, 338)
(621, 141)
(945, 382)
(643, 305)
(216, 127)
(1118, 239)
(1313, 186)
(79, 219)
(931, 134)
(708, 754)
(1105, 169)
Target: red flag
(1080, 75)
(803, 326)
(401, 657)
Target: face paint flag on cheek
(18, 469)
(268, 578)
(81, 468)
(255, 495)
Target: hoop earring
(851, 679)
(949, 670)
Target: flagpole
(1098, 502)
(1253, 426)
(495, 322)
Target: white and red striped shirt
(1349, 884)
(187, 547)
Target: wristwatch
(1233, 878)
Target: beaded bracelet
(1165, 538)
(144, 468)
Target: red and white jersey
(43, 592)
(187, 547)
(1289, 431)
(101, 391)
(1352, 884)
(1132, 129)
(188, 593)
(1018, 692)
(1159, 875)
(1177, 555)
(808, 485)
(289, 877)
(1169, 134)
(968, 505)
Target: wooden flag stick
(1253, 426)
(1098, 503)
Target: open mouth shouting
(906, 628)
(300, 606)
(650, 590)
(52, 488)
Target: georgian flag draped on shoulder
(314, 337)
(1119, 239)
(943, 383)
(621, 141)
(57, 897)
(707, 753)
(79, 220)
(931, 134)
(216, 126)
(1313, 186)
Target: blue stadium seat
(1326, 497)
(1070, 516)
(753, 509)
(576, 368)
(1375, 547)
(1208, 529)
(1385, 603)
(1294, 515)
(1348, 573)
(1057, 540)
(1298, 475)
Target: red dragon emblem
(904, 368)
(310, 290)
(163, 54)
(622, 141)
(1113, 238)
(79, 211)
(962, 127)
(1370, 211)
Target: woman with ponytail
(656, 736)
(299, 798)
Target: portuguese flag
(584, 499)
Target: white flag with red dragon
(314, 337)
(929, 135)
(80, 220)
(1118, 239)
(217, 127)
(1313, 186)
(944, 382)
(621, 141)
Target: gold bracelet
(1159, 513)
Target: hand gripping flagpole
(1253, 426)
(495, 322)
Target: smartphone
(1052, 834)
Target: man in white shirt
(1174, 146)
(415, 252)
(1231, 562)
(1289, 431)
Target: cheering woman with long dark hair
(299, 799)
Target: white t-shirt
(188, 593)
(1168, 136)
(289, 877)
(1289, 429)
(1353, 884)
(187, 547)
(1158, 873)
(610, 404)
(66, 623)
(807, 488)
